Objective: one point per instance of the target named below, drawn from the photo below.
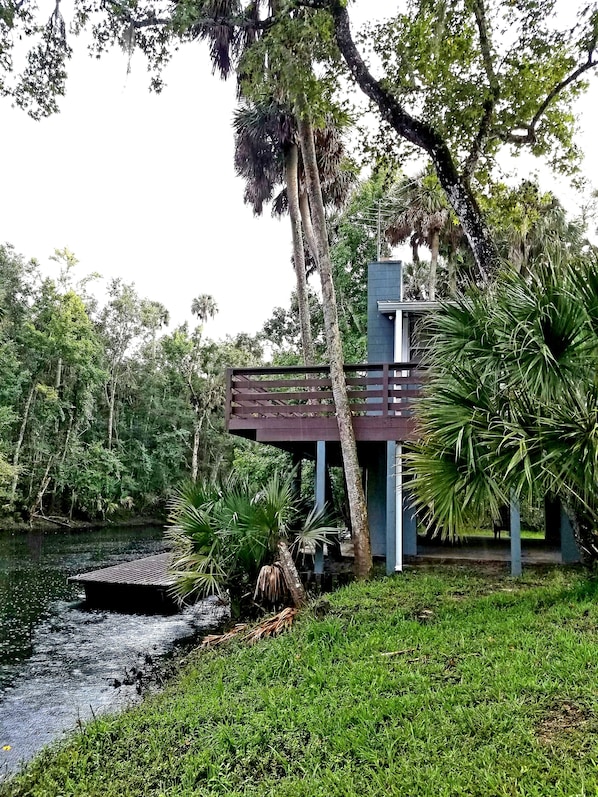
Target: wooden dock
(141, 585)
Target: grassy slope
(493, 692)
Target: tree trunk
(452, 276)
(291, 575)
(19, 444)
(308, 229)
(434, 247)
(195, 450)
(42, 489)
(111, 401)
(291, 175)
(424, 136)
(357, 505)
(583, 530)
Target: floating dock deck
(141, 585)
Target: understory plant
(233, 538)
(511, 404)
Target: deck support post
(320, 500)
(569, 549)
(391, 500)
(515, 522)
(398, 508)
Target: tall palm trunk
(308, 229)
(357, 505)
(292, 185)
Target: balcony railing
(296, 404)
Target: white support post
(399, 508)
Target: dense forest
(101, 410)
(105, 409)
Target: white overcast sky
(142, 186)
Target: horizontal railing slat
(375, 390)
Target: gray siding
(384, 282)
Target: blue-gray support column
(384, 283)
(391, 491)
(320, 499)
(515, 537)
(569, 549)
(409, 526)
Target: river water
(59, 662)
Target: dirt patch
(561, 722)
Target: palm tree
(235, 46)
(233, 536)
(419, 213)
(204, 307)
(266, 155)
(527, 221)
(512, 404)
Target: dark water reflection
(58, 661)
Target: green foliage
(434, 684)
(353, 244)
(222, 534)
(101, 410)
(479, 73)
(511, 405)
(42, 60)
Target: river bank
(12, 526)
(432, 683)
(60, 662)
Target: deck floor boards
(151, 571)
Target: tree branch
(529, 137)
(479, 11)
(239, 21)
(422, 135)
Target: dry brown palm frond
(271, 626)
(271, 584)
(212, 640)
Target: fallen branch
(52, 520)
(399, 652)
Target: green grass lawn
(430, 683)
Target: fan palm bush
(234, 538)
(511, 407)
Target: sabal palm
(512, 402)
(222, 535)
(267, 157)
(419, 213)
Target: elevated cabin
(293, 409)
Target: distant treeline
(102, 411)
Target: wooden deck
(296, 405)
(143, 584)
